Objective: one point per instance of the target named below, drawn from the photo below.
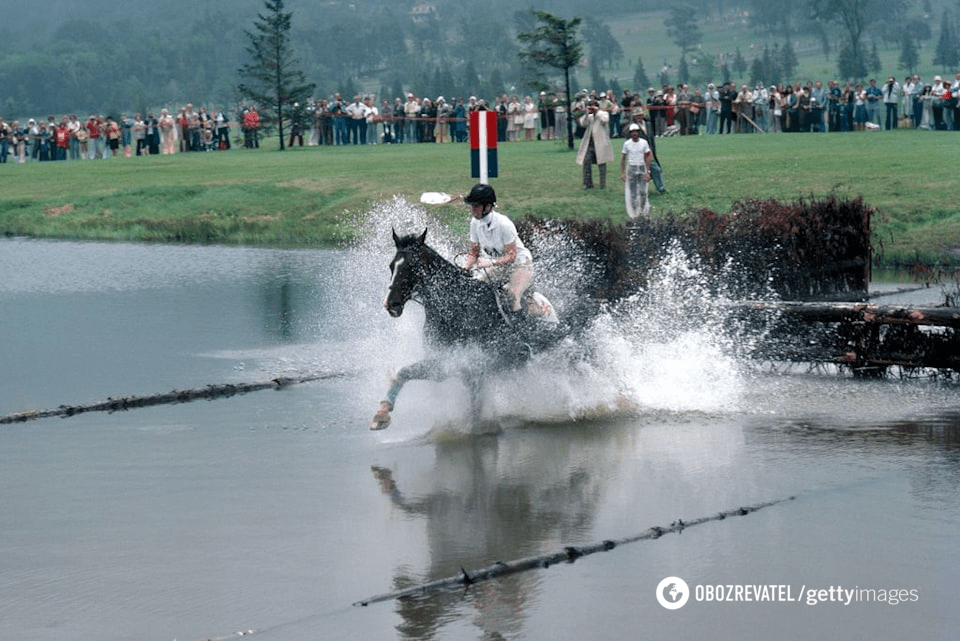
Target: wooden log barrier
(566, 555)
(210, 392)
(863, 312)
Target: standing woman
(168, 138)
(860, 108)
(139, 134)
(126, 134)
(529, 118)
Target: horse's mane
(416, 242)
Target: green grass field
(303, 196)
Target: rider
(495, 248)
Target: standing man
(595, 147)
(727, 95)
(874, 100)
(635, 162)
(891, 98)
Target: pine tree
(909, 56)
(640, 79)
(274, 78)
(788, 61)
(554, 43)
(946, 53)
(739, 64)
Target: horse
(459, 310)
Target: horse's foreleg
(420, 371)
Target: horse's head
(405, 271)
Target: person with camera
(891, 98)
(595, 147)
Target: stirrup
(381, 420)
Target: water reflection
(499, 498)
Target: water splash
(673, 346)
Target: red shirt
(93, 128)
(62, 136)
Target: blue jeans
(656, 174)
(340, 130)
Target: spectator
(727, 95)
(891, 98)
(251, 128)
(635, 159)
(411, 112)
(529, 118)
(112, 139)
(595, 145)
(860, 115)
(874, 100)
(712, 105)
(4, 140)
(168, 133)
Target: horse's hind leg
(422, 370)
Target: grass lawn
(302, 197)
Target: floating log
(210, 392)
(566, 555)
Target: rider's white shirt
(495, 231)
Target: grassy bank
(302, 197)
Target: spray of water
(673, 346)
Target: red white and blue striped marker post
(483, 145)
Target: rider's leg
(520, 280)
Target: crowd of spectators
(809, 107)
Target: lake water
(276, 511)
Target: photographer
(891, 98)
(595, 147)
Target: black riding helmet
(481, 195)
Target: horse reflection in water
(460, 311)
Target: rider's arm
(472, 256)
(509, 255)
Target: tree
(739, 63)
(604, 47)
(554, 43)
(682, 26)
(850, 63)
(946, 53)
(274, 78)
(909, 56)
(855, 16)
(640, 79)
(788, 61)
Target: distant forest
(86, 56)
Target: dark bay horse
(459, 310)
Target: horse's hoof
(381, 420)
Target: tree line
(91, 58)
